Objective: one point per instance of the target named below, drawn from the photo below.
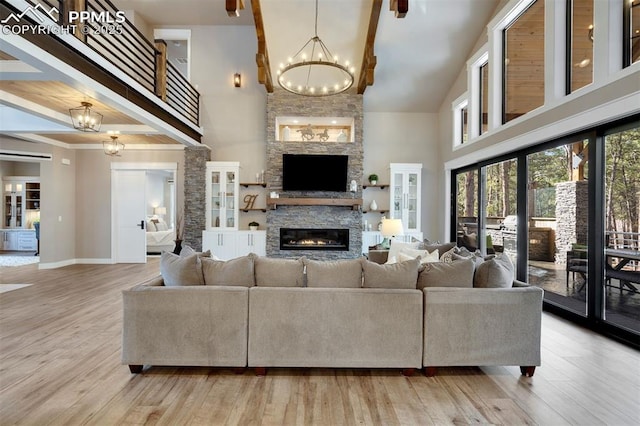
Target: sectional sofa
(265, 312)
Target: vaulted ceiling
(417, 57)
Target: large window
(567, 213)
(580, 52)
(632, 32)
(484, 98)
(524, 63)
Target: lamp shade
(160, 210)
(391, 227)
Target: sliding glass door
(558, 223)
(621, 229)
(567, 213)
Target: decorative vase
(253, 228)
(178, 247)
(373, 206)
(286, 133)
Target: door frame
(115, 167)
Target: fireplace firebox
(314, 239)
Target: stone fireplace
(316, 217)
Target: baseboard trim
(62, 263)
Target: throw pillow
(398, 246)
(442, 248)
(234, 272)
(458, 273)
(151, 226)
(397, 275)
(272, 272)
(424, 255)
(334, 273)
(180, 271)
(161, 225)
(187, 250)
(497, 272)
(447, 256)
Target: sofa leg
(430, 371)
(408, 372)
(261, 371)
(527, 371)
(135, 369)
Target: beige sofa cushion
(274, 272)
(497, 272)
(458, 273)
(395, 275)
(179, 271)
(334, 273)
(234, 272)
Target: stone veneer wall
(195, 170)
(284, 104)
(572, 216)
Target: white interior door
(129, 216)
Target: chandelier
(314, 71)
(84, 119)
(113, 147)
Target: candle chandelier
(314, 71)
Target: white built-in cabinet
(405, 186)
(222, 235)
(230, 244)
(222, 195)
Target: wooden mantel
(354, 203)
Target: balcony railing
(131, 52)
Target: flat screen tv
(311, 172)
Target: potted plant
(253, 226)
(373, 179)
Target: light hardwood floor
(60, 364)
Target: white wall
(234, 119)
(403, 138)
(93, 196)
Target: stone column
(195, 169)
(572, 216)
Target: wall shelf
(378, 185)
(248, 184)
(254, 210)
(375, 211)
(354, 203)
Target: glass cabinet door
(398, 195)
(216, 200)
(411, 203)
(222, 190)
(8, 207)
(18, 211)
(229, 199)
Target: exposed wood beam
(369, 59)
(400, 7)
(262, 57)
(234, 7)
